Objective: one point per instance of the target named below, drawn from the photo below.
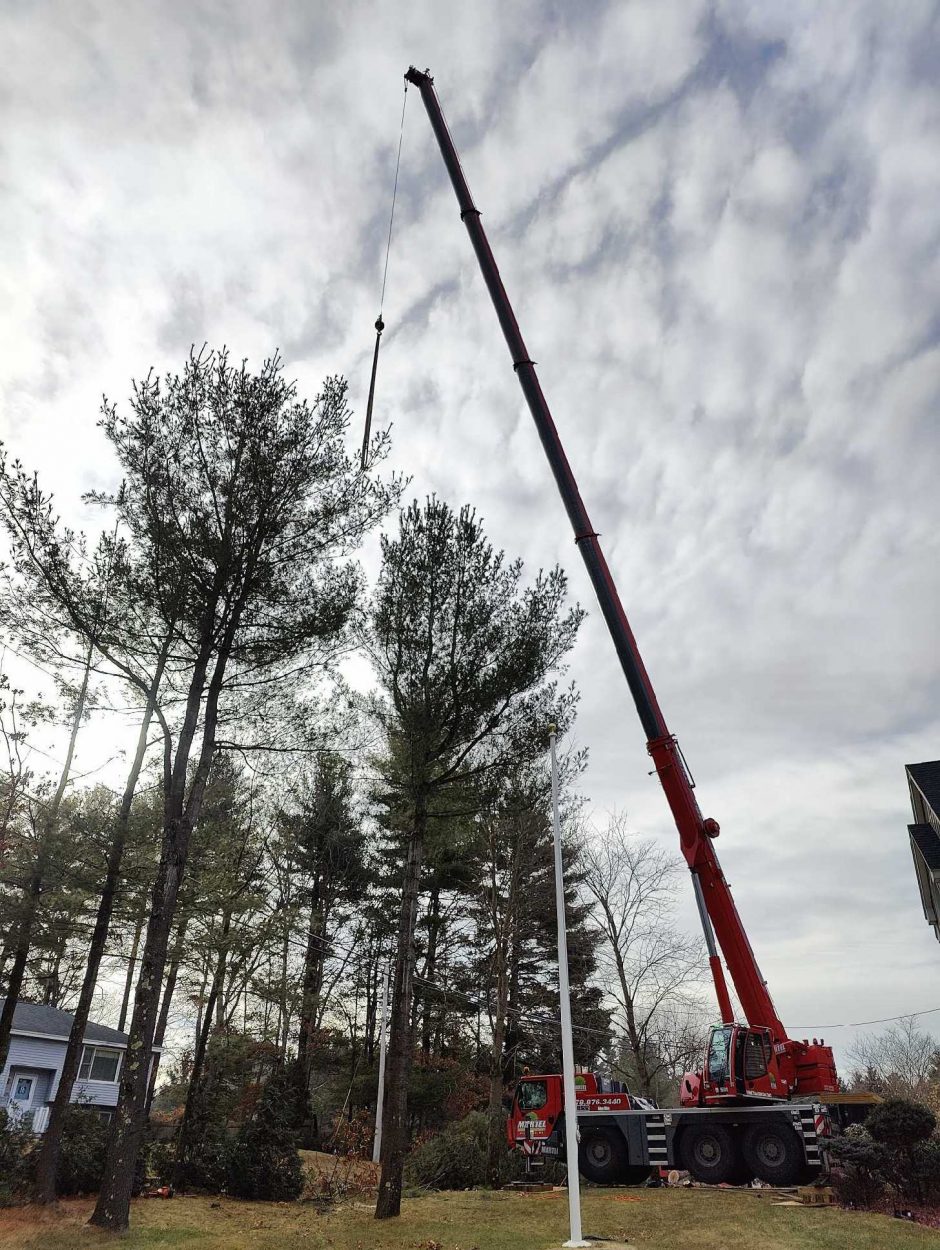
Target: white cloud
(719, 225)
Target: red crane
(756, 1061)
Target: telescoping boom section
(786, 1067)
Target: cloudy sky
(718, 222)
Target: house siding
(44, 1057)
(34, 1055)
(34, 1052)
(96, 1093)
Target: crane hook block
(364, 458)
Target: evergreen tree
(329, 843)
(466, 659)
(239, 511)
(264, 1162)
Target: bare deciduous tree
(653, 968)
(901, 1061)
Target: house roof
(927, 841)
(51, 1022)
(926, 777)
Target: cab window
(755, 1056)
(532, 1095)
(718, 1055)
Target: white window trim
(97, 1080)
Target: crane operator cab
(741, 1065)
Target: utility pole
(380, 1095)
(567, 1044)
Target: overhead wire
(332, 946)
(522, 1016)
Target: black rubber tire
(742, 1174)
(774, 1153)
(710, 1154)
(602, 1157)
(635, 1175)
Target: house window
(99, 1063)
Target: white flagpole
(380, 1096)
(567, 1045)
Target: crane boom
(716, 905)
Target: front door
(21, 1093)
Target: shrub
(858, 1177)
(16, 1160)
(927, 1171)
(82, 1152)
(903, 1129)
(897, 1146)
(900, 1124)
(154, 1164)
(454, 1158)
(208, 1158)
(352, 1135)
(264, 1162)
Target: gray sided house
(38, 1040)
(923, 781)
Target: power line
(334, 947)
(861, 1024)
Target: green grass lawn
(649, 1219)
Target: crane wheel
(602, 1158)
(710, 1154)
(774, 1153)
(742, 1173)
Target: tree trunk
(314, 957)
(201, 1005)
(283, 1007)
(113, 1205)
(51, 975)
(24, 931)
(112, 1210)
(166, 1002)
(48, 1163)
(503, 918)
(9, 942)
(199, 1056)
(313, 979)
(399, 1056)
(430, 967)
(497, 1139)
(372, 1003)
(511, 1043)
(131, 967)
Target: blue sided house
(30, 1078)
